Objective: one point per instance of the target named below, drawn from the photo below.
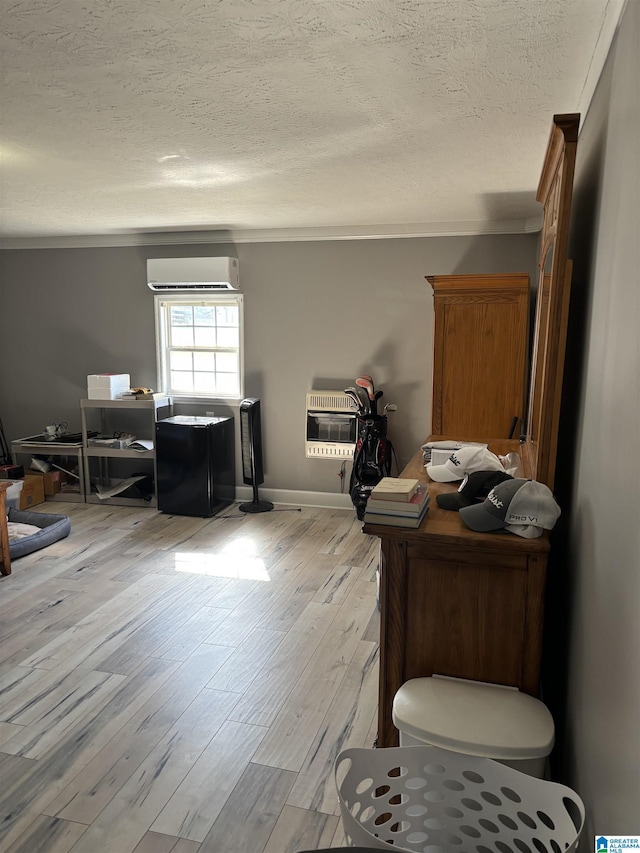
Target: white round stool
(475, 718)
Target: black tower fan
(251, 436)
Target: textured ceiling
(244, 116)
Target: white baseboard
(326, 500)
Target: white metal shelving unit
(35, 445)
(149, 408)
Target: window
(199, 342)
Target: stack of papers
(105, 492)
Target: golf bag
(371, 459)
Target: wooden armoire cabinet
(480, 354)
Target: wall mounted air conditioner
(193, 274)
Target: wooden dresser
(467, 604)
(456, 602)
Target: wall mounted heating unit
(331, 425)
(166, 274)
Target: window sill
(207, 401)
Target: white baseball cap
(523, 507)
(464, 461)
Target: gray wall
(592, 671)
(316, 315)
(326, 311)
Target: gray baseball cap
(475, 486)
(511, 504)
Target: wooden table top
(447, 527)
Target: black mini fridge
(195, 458)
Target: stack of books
(397, 501)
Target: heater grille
(325, 450)
(330, 401)
(330, 425)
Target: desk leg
(393, 604)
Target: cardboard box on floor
(52, 481)
(32, 491)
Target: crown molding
(612, 17)
(277, 235)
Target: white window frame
(162, 305)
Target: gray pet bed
(52, 527)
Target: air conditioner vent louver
(182, 285)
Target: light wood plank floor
(183, 685)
